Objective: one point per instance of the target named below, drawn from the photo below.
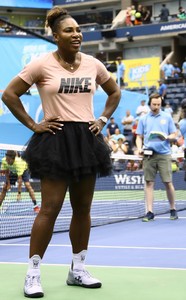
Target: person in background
(117, 135)
(176, 72)
(134, 128)
(146, 15)
(67, 150)
(111, 127)
(139, 15)
(182, 122)
(158, 158)
(142, 109)
(162, 91)
(119, 149)
(184, 70)
(181, 14)
(120, 72)
(128, 21)
(127, 122)
(132, 14)
(182, 126)
(168, 109)
(168, 70)
(164, 13)
(16, 169)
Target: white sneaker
(82, 278)
(32, 288)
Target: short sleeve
(102, 74)
(31, 72)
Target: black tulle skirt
(71, 153)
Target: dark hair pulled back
(54, 16)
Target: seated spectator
(132, 165)
(129, 150)
(111, 127)
(117, 135)
(120, 149)
(181, 14)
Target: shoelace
(82, 273)
(33, 280)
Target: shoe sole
(36, 295)
(147, 220)
(90, 286)
(173, 218)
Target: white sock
(34, 264)
(79, 260)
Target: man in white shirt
(127, 121)
(142, 109)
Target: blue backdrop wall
(13, 132)
(15, 53)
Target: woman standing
(67, 150)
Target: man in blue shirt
(182, 126)
(157, 154)
(162, 91)
(168, 71)
(182, 122)
(184, 70)
(120, 72)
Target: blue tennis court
(132, 256)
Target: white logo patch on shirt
(163, 121)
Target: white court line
(98, 266)
(93, 217)
(101, 246)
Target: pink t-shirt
(63, 93)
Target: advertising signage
(63, 2)
(45, 4)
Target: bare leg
(31, 192)
(149, 195)
(170, 194)
(81, 194)
(3, 193)
(53, 193)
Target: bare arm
(11, 97)
(114, 94)
(16, 88)
(172, 136)
(139, 144)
